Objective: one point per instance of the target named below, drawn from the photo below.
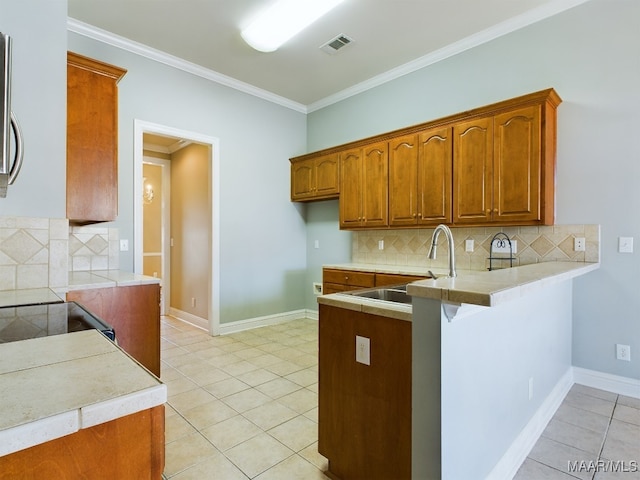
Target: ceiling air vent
(335, 44)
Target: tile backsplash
(33, 252)
(409, 247)
(40, 252)
(93, 248)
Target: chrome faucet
(434, 246)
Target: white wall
(591, 55)
(471, 378)
(262, 233)
(39, 93)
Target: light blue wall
(591, 55)
(262, 234)
(487, 361)
(39, 93)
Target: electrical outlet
(380, 244)
(623, 352)
(317, 288)
(363, 352)
(579, 244)
(316, 244)
(124, 245)
(468, 245)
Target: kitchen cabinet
(316, 178)
(338, 280)
(383, 279)
(497, 170)
(363, 186)
(127, 447)
(134, 313)
(92, 140)
(490, 166)
(420, 168)
(364, 411)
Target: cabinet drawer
(394, 279)
(348, 277)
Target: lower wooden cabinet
(338, 280)
(134, 313)
(128, 447)
(364, 411)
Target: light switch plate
(625, 245)
(124, 245)
(468, 245)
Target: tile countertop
(395, 269)
(107, 278)
(492, 288)
(482, 288)
(29, 296)
(55, 386)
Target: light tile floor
(245, 406)
(592, 433)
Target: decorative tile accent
(33, 252)
(534, 245)
(93, 248)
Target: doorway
(169, 258)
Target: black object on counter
(33, 321)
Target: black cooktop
(33, 321)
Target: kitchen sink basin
(396, 294)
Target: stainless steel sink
(395, 293)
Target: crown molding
(532, 16)
(535, 15)
(123, 43)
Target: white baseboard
(190, 318)
(629, 387)
(510, 462)
(240, 325)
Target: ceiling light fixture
(283, 20)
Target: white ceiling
(391, 38)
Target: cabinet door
(351, 188)
(92, 140)
(472, 170)
(516, 165)
(302, 179)
(434, 176)
(134, 313)
(327, 176)
(403, 180)
(375, 185)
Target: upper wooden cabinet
(363, 186)
(497, 170)
(316, 178)
(92, 140)
(420, 178)
(493, 165)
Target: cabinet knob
(495, 210)
(488, 211)
(419, 215)
(414, 215)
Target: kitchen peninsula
(490, 359)
(76, 406)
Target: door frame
(140, 128)
(165, 249)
